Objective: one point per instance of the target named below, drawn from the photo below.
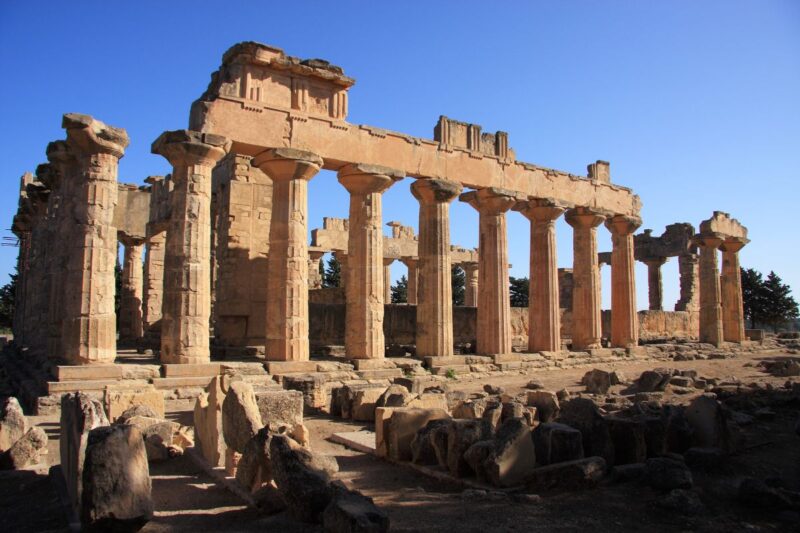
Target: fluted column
(130, 303)
(153, 293)
(287, 263)
(186, 309)
(731, 291)
(365, 291)
(89, 325)
(544, 315)
(412, 264)
(586, 317)
(314, 276)
(655, 286)
(624, 319)
(387, 277)
(434, 290)
(710, 297)
(470, 284)
(494, 301)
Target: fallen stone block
(583, 415)
(429, 400)
(116, 481)
(666, 473)
(630, 445)
(513, 456)
(27, 451)
(493, 415)
(136, 410)
(241, 418)
(13, 424)
(255, 468)
(306, 490)
(118, 401)
(461, 434)
(382, 416)
(422, 450)
(654, 380)
(476, 455)
(709, 422)
(438, 440)
(395, 396)
(208, 421)
(280, 408)
(597, 381)
(351, 512)
(557, 443)
(403, 426)
(364, 403)
(571, 475)
(546, 404)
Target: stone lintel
(723, 224)
(89, 135)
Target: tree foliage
(7, 301)
(767, 302)
(458, 282)
(519, 291)
(400, 291)
(333, 273)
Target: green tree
(7, 301)
(753, 296)
(458, 281)
(781, 307)
(400, 291)
(519, 291)
(333, 273)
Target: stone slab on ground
(361, 441)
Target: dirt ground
(186, 499)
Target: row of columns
(721, 305)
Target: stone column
(434, 289)
(544, 315)
(130, 304)
(731, 291)
(186, 310)
(387, 276)
(368, 280)
(153, 293)
(344, 267)
(314, 276)
(654, 283)
(470, 284)
(586, 317)
(89, 325)
(689, 279)
(624, 319)
(412, 264)
(287, 263)
(710, 308)
(494, 300)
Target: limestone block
(583, 415)
(118, 401)
(429, 400)
(709, 422)
(13, 424)
(557, 443)
(597, 381)
(79, 415)
(241, 418)
(546, 404)
(422, 450)
(513, 457)
(630, 444)
(255, 467)
(571, 475)
(350, 510)
(136, 410)
(208, 421)
(461, 434)
(28, 450)
(116, 480)
(396, 396)
(280, 408)
(382, 416)
(306, 490)
(476, 456)
(403, 426)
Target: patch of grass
(450, 374)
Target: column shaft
(654, 284)
(153, 293)
(434, 289)
(130, 306)
(586, 317)
(624, 319)
(731, 292)
(412, 280)
(387, 278)
(470, 284)
(710, 297)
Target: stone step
(383, 373)
(291, 367)
(179, 383)
(87, 372)
(94, 384)
(190, 370)
(443, 370)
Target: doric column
(434, 289)
(287, 263)
(586, 317)
(494, 301)
(130, 303)
(412, 263)
(365, 291)
(654, 283)
(731, 291)
(710, 308)
(186, 310)
(387, 277)
(470, 284)
(153, 292)
(344, 267)
(624, 319)
(314, 276)
(544, 315)
(89, 325)
(689, 272)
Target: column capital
(708, 240)
(733, 244)
(584, 217)
(623, 224)
(654, 261)
(187, 147)
(491, 200)
(87, 135)
(316, 255)
(435, 191)
(60, 156)
(410, 262)
(359, 178)
(539, 210)
(388, 261)
(284, 164)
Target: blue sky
(695, 104)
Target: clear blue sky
(695, 103)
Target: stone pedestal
(586, 317)
(434, 290)
(365, 291)
(387, 275)
(186, 310)
(89, 325)
(710, 298)
(470, 284)
(153, 293)
(287, 264)
(494, 302)
(130, 304)
(624, 320)
(544, 315)
(731, 292)
(655, 292)
(413, 276)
